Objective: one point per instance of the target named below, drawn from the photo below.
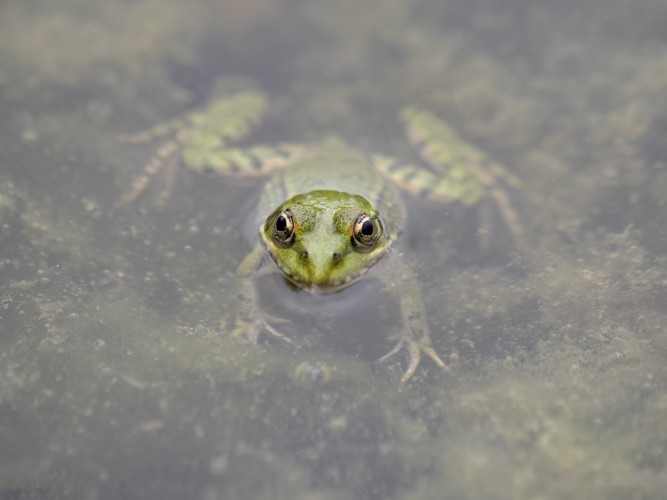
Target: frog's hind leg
(161, 158)
(468, 168)
(153, 133)
(226, 120)
(230, 119)
(424, 185)
(245, 163)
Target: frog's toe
(430, 352)
(249, 332)
(276, 320)
(415, 350)
(415, 357)
(396, 349)
(271, 330)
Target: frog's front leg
(414, 336)
(250, 320)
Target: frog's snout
(320, 265)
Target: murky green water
(117, 379)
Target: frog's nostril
(304, 255)
(336, 256)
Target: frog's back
(335, 169)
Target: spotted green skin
(326, 187)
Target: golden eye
(283, 229)
(365, 233)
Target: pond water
(118, 376)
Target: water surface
(117, 378)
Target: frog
(329, 215)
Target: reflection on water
(117, 378)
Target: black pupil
(281, 223)
(367, 228)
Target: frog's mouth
(315, 286)
(324, 287)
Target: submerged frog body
(328, 214)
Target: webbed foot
(250, 331)
(415, 350)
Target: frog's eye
(283, 229)
(365, 233)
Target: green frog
(328, 214)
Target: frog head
(324, 240)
